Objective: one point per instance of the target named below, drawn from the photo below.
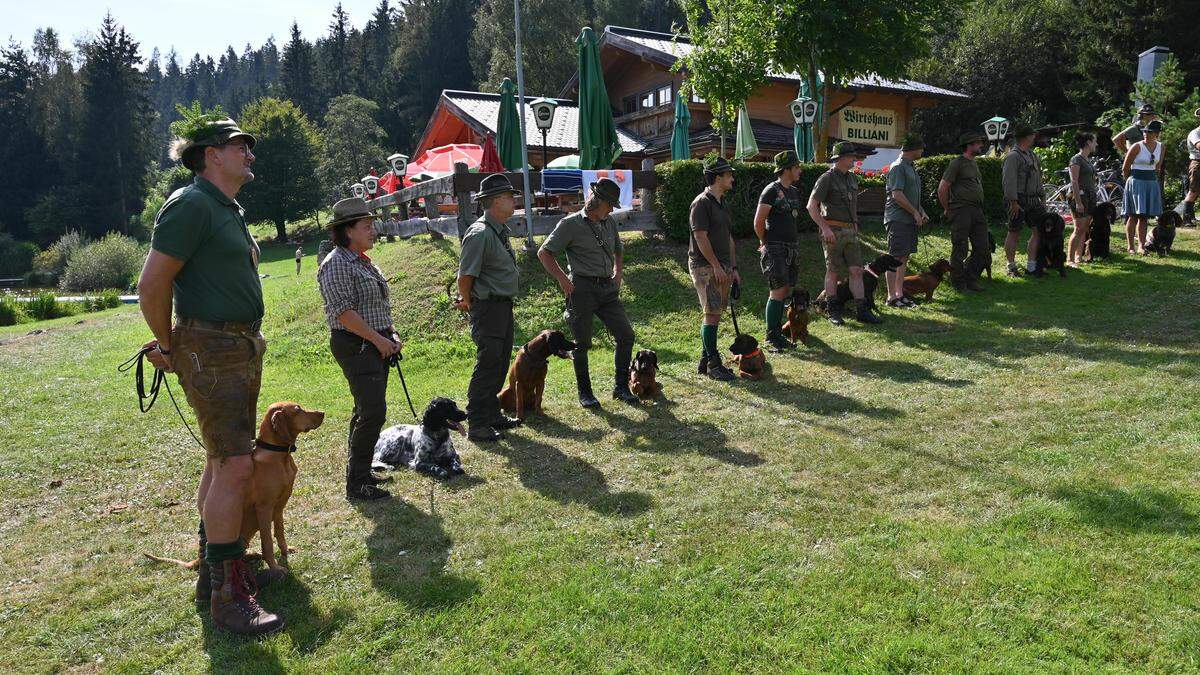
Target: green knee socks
(216, 554)
(774, 316)
(708, 338)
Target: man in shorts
(775, 225)
(1021, 175)
(902, 215)
(712, 260)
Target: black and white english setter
(427, 447)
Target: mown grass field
(1000, 482)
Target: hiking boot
(1189, 214)
(779, 343)
(718, 371)
(864, 314)
(232, 604)
(834, 309)
(974, 286)
(504, 423)
(484, 435)
(1014, 271)
(702, 369)
(365, 492)
(203, 579)
(583, 380)
(908, 302)
(372, 479)
(621, 393)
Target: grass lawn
(998, 482)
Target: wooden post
(466, 210)
(647, 195)
(432, 212)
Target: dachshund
(1051, 253)
(796, 326)
(270, 486)
(927, 282)
(1099, 234)
(426, 447)
(750, 360)
(1162, 235)
(871, 275)
(642, 375)
(991, 247)
(527, 376)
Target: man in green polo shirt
(712, 260)
(487, 286)
(775, 225)
(902, 215)
(203, 258)
(594, 255)
(960, 193)
(833, 205)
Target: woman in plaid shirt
(362, 339)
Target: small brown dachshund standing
(642, 380)
(750, 360)
(796, 326)
(927, 282)
(527, 376)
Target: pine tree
(298, 75)
(23, 157)
(336, 53)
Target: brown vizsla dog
(642, 380)
(271, 484)
(527, 376)
(927, 282)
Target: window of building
(629, 105)
(664, 95)
(647, 100)
(697, 98)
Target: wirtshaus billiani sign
(876, 126)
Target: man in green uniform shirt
(902, 215)
(960, 193)
(712, 260)
(1021, 175)
(775, 225)
(203, 258)
(487, 284)
(594, 255)
(833, 205)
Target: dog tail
(186, 565)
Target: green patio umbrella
(508, 128)
(806, 146)
(598, 144)
(679, 135)
(745, 146)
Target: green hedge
(680, 181)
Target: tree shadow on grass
(662, 432)
(407, 550)
(567, 480)
(1141, 509)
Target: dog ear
(281, 422)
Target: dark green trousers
(492, 332)
(367, 374)
(600, 298)
(968, 232)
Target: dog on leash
(424, 447)
(927, 282)
(796, 326)
(527, 376)
(751, 361)
(1162, 235)
(270, 485)
(1051, 251)
(1099, 234)
(643, 371)
(871, 275)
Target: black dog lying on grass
(871, 275)
(1097, 244)
(1051, 252)
(426, 448)
(1162, 236)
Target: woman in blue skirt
(1143, 195)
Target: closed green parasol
(598, 144)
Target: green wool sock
(708, 337)
(774, 316)
(219, 553)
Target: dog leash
(735, 292)
(146, 401)
(394, 360)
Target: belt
(223, 326)
(495, 298)
(838, 223)
(599, 281)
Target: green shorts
(220, 373)
(844, 252)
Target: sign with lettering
(873, 126)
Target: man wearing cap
(712, 260)
(594, 255)
(902, 215)
(833, 205)
(204, 261)
(1021, 175)
(1193, 174)
(960, 193)
(1133, 133)
(775, 225)
(487, 284)
(358, 311)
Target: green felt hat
(911, 142)
(785, 160)
(608, 190)
(349, 210)
(970, 137)
(206, 131)
(494, 184)
(843, 149)
(1022, 130)
(717, 166)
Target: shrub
(112, 262)
(46, 306)
(48, 265)
(106, 300)
(16, 257)
(10, 311)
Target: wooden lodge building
(642, 90)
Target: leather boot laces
(245, 588)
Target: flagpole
(529, 246)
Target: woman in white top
(1143, 195)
